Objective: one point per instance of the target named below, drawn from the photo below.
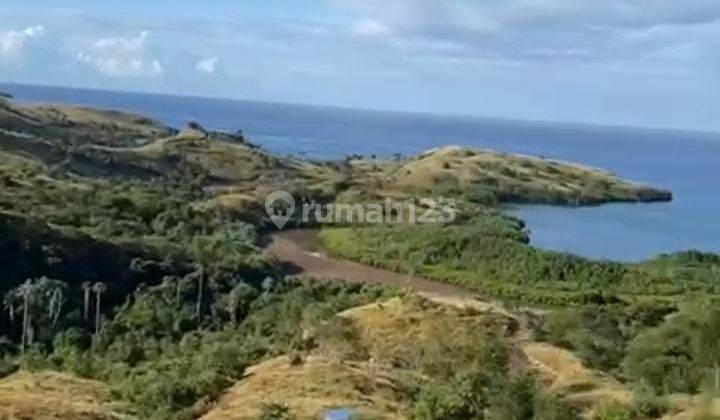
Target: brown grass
(462, 167)
(309, 389)
(392, 329)
(52, 395)
(564, 373)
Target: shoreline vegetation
(132, 274)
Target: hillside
(52, 395)
(96, 144)
(315, 386)
(134, 256)
(506, 178)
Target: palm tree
(173, 282)
(99, 289)
(34, 297)
(11, 302)
(50, 294)
(177, 293)
(86, 287)
(232, 306)
(201, 284)
(57, 298)
(26, 291)
(201, 254)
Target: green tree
(99, 288)
(87, 288)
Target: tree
(40, 301)
(201, 283)
(26, 291)
(202, 254)
(173, 282)
(707, 341)
(239, 299)
(52, 295)
(232, 306)
(11, 303)
(87, 287)
(99, 288)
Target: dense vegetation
(130, 255)
(165, 361)
(490, 254)
(661, 352)
(654, 326)
(140, 286)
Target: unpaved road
(297, 251)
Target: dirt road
(296, 249)
(561, 369)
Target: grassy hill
(130, 258)
(52, 395)
(109, 144)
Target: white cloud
(207, 65)
(12, 43)
(121, 57)
(370, 27)
(544, 30)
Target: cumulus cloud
(207, 65)
(13, 43)
(121, 57)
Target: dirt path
(297, 250)
(559, 369)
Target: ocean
(688, 163)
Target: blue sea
(688, 163)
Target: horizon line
(565, 123)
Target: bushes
(596, 334)
(600, 334)
(660, 350)
(164, 371)
(490, 254)
(681, 353)
(481, 384)
(275, 411)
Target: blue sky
(649, 63)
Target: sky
(651, 63)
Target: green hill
(130, 256)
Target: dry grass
(393, 329)
(102, 143)
(686, 407)
(310, 389)
(389, 330)
(52, 395)
(565, 374)
(98, 126)
(98, 117)
(462, 167)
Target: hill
(101, 144)
(52, 395)
(131, 255)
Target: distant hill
(110, 144)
